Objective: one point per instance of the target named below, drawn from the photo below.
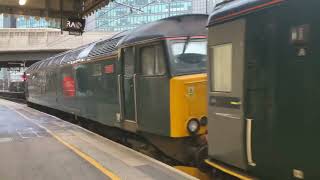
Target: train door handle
(249, 142)
(135, 97)
(120, 96)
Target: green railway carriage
(149, 81)
(264, 89)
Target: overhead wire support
(140, 8)
(100, 15)
(61, 16)
(129, 6)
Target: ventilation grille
(71, 56)
(106, 47)
(103, 48)
(56, 60)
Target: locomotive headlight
(193, 126)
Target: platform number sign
(75, 26)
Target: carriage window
(128, 61)
(152, 60)
(96, 70)
(221, 68)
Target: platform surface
(38, 146)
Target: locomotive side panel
(96, 90)
(67, 95)
(296, 122)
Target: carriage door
(226, 112)
(129, 106)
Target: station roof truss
(52, 8)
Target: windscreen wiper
(186, 44)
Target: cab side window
(129, 61)
(152, 60)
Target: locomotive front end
(188, 105)
(188, 86)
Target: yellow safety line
(232, 173)
(88, 158)
(74, 149)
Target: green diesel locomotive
(264, 58)
(150, 81)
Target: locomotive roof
(236, 8)
(83, 53)
(168, 27)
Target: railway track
(13, 96)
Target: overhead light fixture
(22, 2)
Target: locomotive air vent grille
(47, 62)
(33, 66)
(57, 59)
(106, 47)
(71, 56)
(43, 64)
(37, 65)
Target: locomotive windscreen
(188, 56)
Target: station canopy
(51, 8)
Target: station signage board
(75, 26)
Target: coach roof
(237, 8)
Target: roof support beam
(51, 8)
(35, 12)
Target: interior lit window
(221, 67)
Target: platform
(38, 146)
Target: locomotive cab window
(152, 61)
(221, 68)
(188, 56)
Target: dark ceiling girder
(79, 8)
(47, 7)
(89, 6)
(35, 12)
